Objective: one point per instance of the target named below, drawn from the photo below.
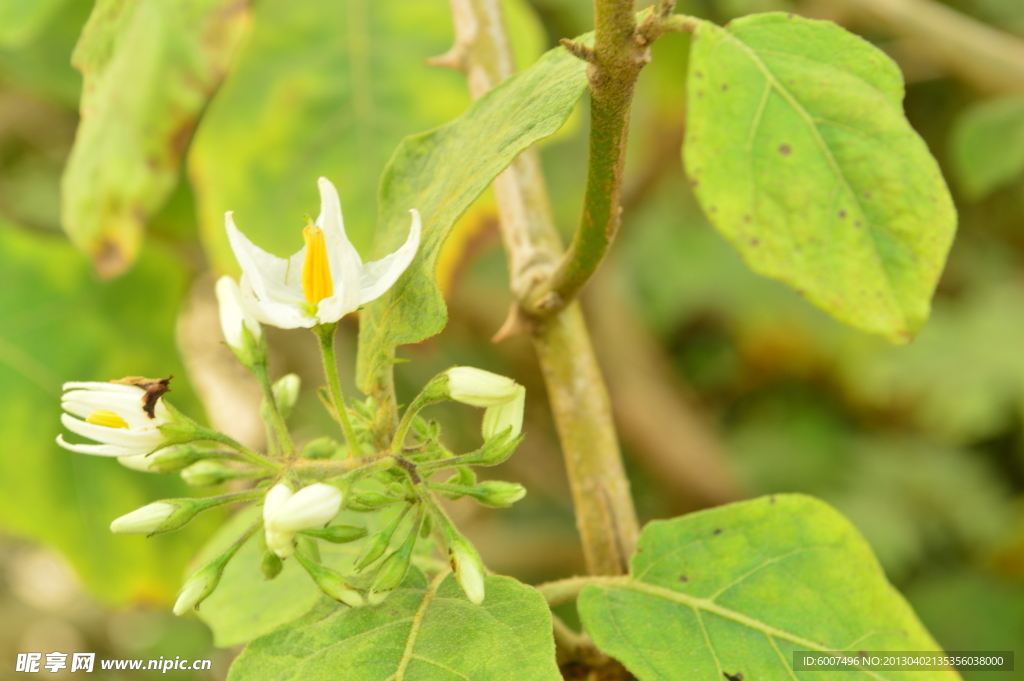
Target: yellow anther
(316, 271)
(102, 417)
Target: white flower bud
(198, 587)
(286, 392)
(469, 571)
(479, 388)
(234, 319)
(285, 513)
(145, 520)
(501, 417)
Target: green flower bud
(320, 448)
(271, 565)
(372, 550)
(209, 473)
(497, 493)
(378, 543)
(391, 572)
(331, 582)
(172, 460)
(373, 500)
(338, 534)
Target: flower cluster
(305, 489)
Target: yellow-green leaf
(801, 156)
(148, 68)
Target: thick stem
(619, 52)
(325, 334)
(604, 509)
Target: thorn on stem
(666, 8)
(579, 50)
(454, 58)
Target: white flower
(505, 415)
(145, 520)
(113, 415)
(285, 513)
(480, 388)
(325, 280)
(233, 315)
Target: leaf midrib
(808, 120)
(702, 604)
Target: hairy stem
(604, 509)
(325, 334)
(280, 429)
(246, 453)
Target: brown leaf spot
(684, 579)
(725, 86)
(784, 149)
(842, 214)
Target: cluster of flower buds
(303, 488)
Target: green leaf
(988, 145)
(801, 156)
(736, 589)
(149, 68)
(319, 89)
(440, 173)
(21, 22)
(58, 324)
(420, 632)
(245, 605)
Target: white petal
(312, 506)
(96, 450)
(277, 495)
(133, 441)
(271, 278)
(377, 277)
(283, 315)
(102, 386)
(139, 462)
(342, 257)
(129, 407)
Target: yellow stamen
(102, 417)
(316, 271)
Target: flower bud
(285, 513)
(479, 388)
(372, 500)
(199, 586)
(497, 493)
(209, 473)
(506, 417)
(320, 448)
(337, 534)
(286, 393)
(468, 569)
(391, 572)
(242, 332)
(174, 459)
(494, 451)
(270, 565)
(331, 582)
(145, 520)
(372, 550)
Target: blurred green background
(726, 385)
